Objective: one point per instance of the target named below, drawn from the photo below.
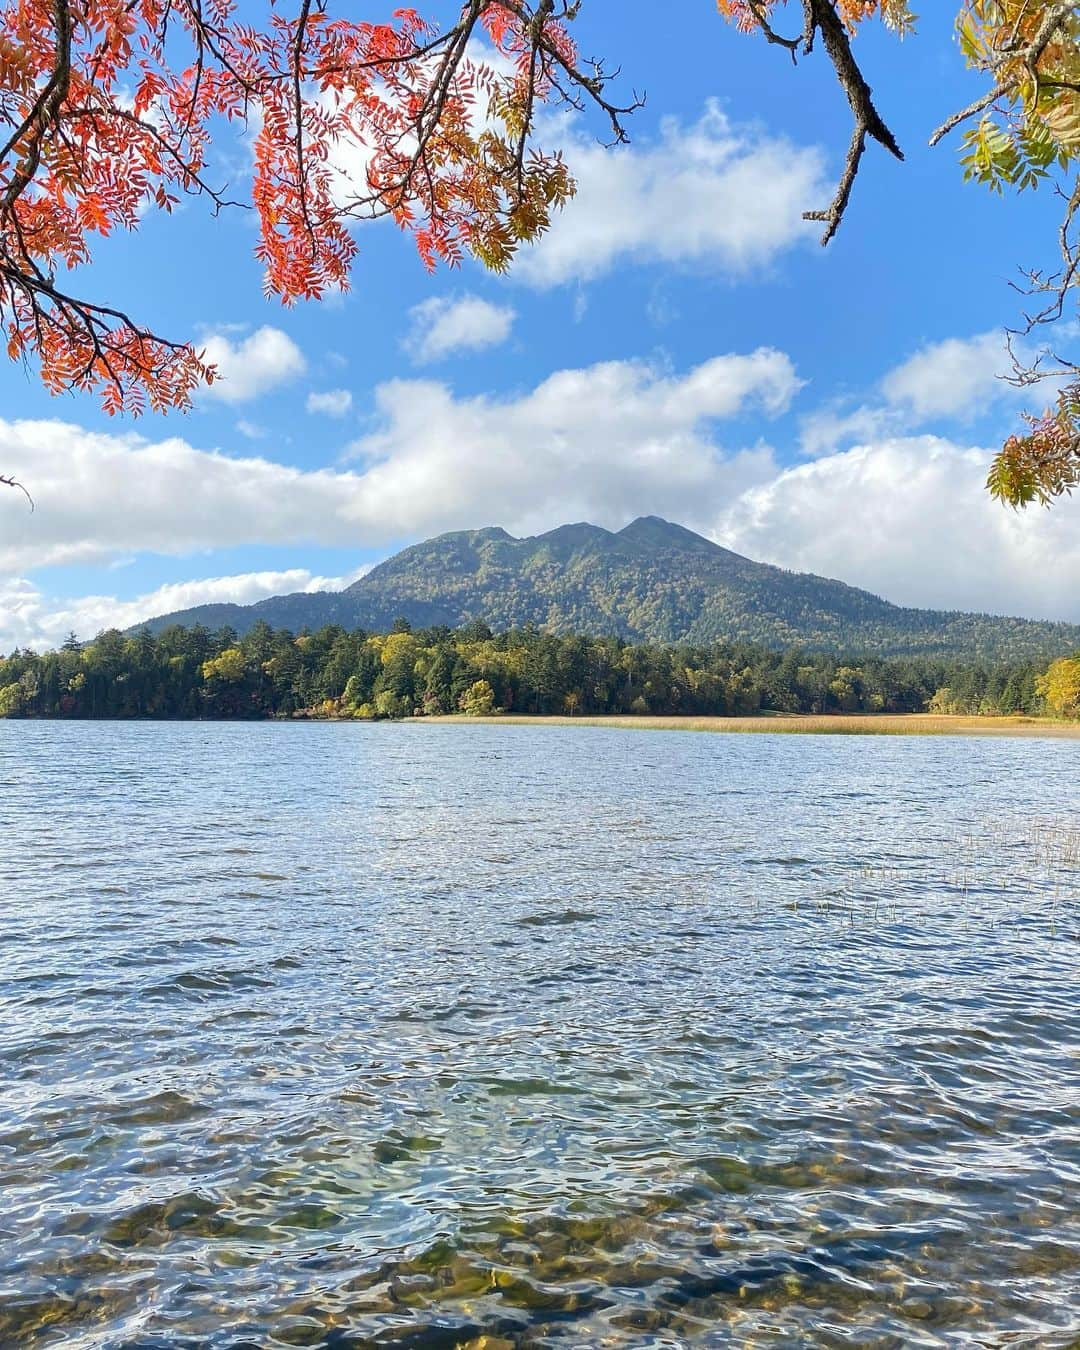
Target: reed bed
(805, 724)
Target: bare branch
(821, 16)
(298, 106)
(14, 483)
(868, 121)
(834, 214)
(977, 106)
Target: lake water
(347, 1035)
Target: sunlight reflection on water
(347, 1035)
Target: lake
(346, 1035)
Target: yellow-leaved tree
(478, 700)
(1060, 686)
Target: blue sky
(679, 345)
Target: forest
(266, 673)
(651, 582)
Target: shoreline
(776, 724)
(794, 724)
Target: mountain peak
(656, 532)
(652, 581)
(651, 521)
(579, 535)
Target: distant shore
(805, 724)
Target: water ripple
(359, 1036)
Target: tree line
(196, 673)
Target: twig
(7, 481)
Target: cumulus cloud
(601, 443)
(597, 441)
(31, 619)
(905, 516)
(251, 366)
(909, 518)
(441, 326)
(716, 194)
(723, 195)
(827, 429)
(330, 402)
(957, 378)
(189, 500)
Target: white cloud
(603, 443)
(956, 378)
(31, 619)
(827, 429)
(188, 500)
(253, 365)
(715, 194)
(600, 441)
(723, 195)
(910, 519)
(905, 516)
(331, 402)
(441, 326)
(251, 430)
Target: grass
(804, 724)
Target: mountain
(652, 581)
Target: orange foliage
(108, 108)
(747, 14)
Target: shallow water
(333, 1035)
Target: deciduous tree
(478, 700)
(1022, 130)
(110, 107)
(1060, 687)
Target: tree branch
(868, 121)
(6, 481)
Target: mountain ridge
(653, 580)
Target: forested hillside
(193, 673)
(650, 582)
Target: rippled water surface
(329, 1035)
